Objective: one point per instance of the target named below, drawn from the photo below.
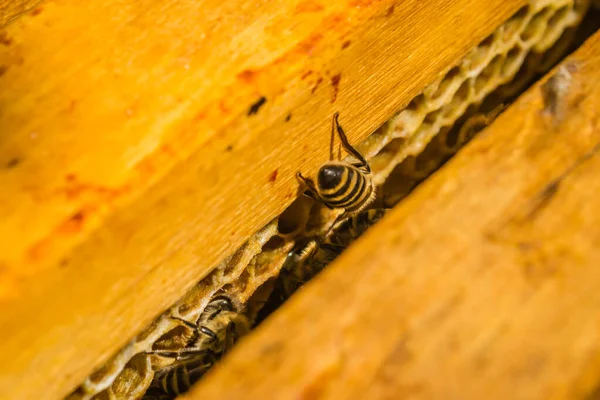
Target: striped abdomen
(344, 186)
(182, 375)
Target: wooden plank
(12, 9)
(483, 284)
(128, 139)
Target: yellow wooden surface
(129, 165)
(482, 284)
(12, 9)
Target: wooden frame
(125, 131)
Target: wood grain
(131, 163)
(482, 284)
(12, 9)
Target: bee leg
(202, 329)
(208, 332)
(185, 322)
(309, 249)
(314, 196)
(214, 314)
(362, 164)
(307, 181)
(191, 352)
(222, 302)
(312, 191)
(187, 351)
(332, 142)
(339, 218)
(164, 353)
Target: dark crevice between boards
(456, 136)
(475, 119)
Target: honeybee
(177, 378)
(217, 329)
(353, 227)
(342, 185)
(317, 255)
(311, 256)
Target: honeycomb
(402, 152)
